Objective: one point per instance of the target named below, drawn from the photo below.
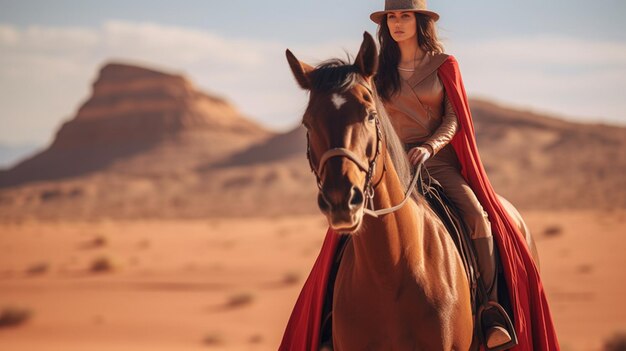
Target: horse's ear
(367, 59)
(300, 70)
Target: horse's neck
(392, 242)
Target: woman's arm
(445, 132)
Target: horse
(401, 284)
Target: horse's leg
(519, 221)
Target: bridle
(370, 168)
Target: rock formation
(147, 144)
(134, 110)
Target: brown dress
(421, 114)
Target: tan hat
(418, 6)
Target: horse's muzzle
(344, 209)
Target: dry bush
(240, 299)
(213, 338)
(144, 244)
(104, 264)
(291, 278)
(616, 343)
(553, 231)
(585, 268)
(38, 268)
(256, 339)
(14, 316)
(100, 241)
(96, 242)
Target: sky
(566, 58)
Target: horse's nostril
(322, 202)
(357, 197)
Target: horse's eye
(371, 117)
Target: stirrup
(489, 306)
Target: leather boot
(496, 327)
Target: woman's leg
(445, 169)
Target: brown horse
(401, 283)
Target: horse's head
(344, 133)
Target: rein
(369, 168)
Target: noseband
(369, 168)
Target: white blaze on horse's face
(338, 100)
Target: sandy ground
(231, 284)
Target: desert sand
(230, 284)
(160, 218)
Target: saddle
(432, 191)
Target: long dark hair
(387, 78)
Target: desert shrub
(38, 268)
(144, 244)
(104, 264)
(100, 241)
(291, 278)
(255, 339)
(240, 299)
(50, 194)
(213, 338)
(553, 230)
(585, 268)
(616, 343)
(14, 316)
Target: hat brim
(378, 16)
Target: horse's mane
(337, 75)
(334, 75)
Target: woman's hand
(418, 155)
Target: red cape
(532, 319)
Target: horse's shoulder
(436, 236)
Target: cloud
(550, 50)
(181, 45)
(568, 76)
(8, 35)
(55, 66)
(46, 72)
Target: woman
(426, 122)
(423, 110)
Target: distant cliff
(133, 110)
(148, 144)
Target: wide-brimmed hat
(418, 6)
